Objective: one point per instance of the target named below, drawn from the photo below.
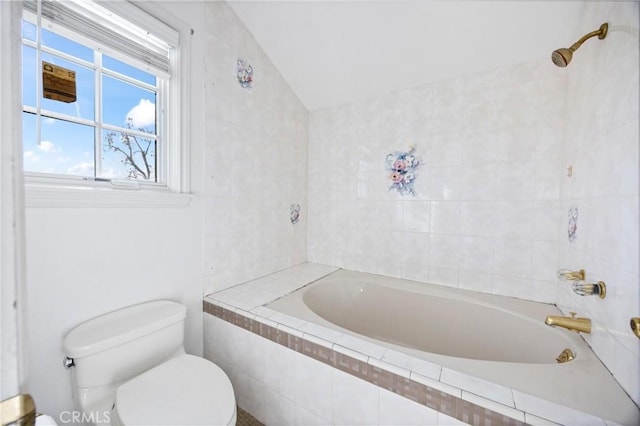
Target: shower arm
(600, 32)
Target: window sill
(51, 196)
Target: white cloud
(46, 146)
(111, 174)
(48, 120)
(83, 168)
(31, 155)
(143, 115)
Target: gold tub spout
(579, 325)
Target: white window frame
(172, 188)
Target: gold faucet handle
(568, 275)
(635, 326)
(573, 314)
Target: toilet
(129, 367)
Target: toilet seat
(186, 390)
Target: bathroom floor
(246, 419)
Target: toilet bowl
(44, 420)
(129, 367)
(184, 390)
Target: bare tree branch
(135, 155)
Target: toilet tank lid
(120, 326)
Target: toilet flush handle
(68, 363)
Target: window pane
(127, 156)
(65, 148)
(84, 106)
(28, 30)
(110, 94)
(128, 70)
(129, 106)
(28, 131)
(29, 73)
(65, 45)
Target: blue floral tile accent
(572, 228)
(294, 213)
(402, 170)
(245, 74)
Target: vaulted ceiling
(332, 52)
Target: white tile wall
(255, 160)
(353, 401)
(564, 415)
(601, 142)
(305, 417)
(396, 410)
(478, 386)
(278, 410)
(488, 190)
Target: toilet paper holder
(19, 409)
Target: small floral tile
(402, 170)
(294, 213)
(572, 228)
(244, 74)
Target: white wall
(12, 303)
(248, 165)
(601, 143)
(82, 262)
(255, 166)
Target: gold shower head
(562, 57)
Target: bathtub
(498, 339)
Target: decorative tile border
(422, 394)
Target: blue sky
(66, 147)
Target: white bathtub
(499, 339)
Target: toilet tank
(119, 345)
